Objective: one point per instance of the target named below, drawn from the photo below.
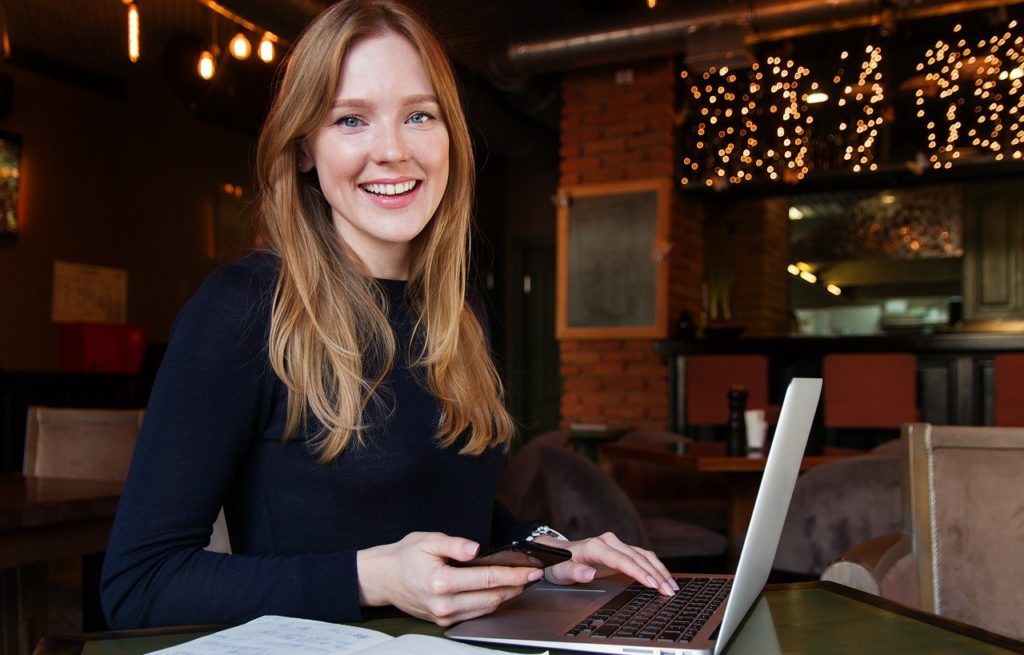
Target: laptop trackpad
(552, 598)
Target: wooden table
(806, 618)
(44, 519)
(742, 474)
(588, 442)
(47, 518)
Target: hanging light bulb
(206, 67)
(651, 4)
(266, 48)
(240, 47)
(133, 31)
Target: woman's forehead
(381, 66)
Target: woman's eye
(420, 117)
(348, 121)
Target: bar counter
(955, 380)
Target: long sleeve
(213, 436)
(210, 401)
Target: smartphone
(519, 553)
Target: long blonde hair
(330, 340)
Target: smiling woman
(382, 158)
(335, 392)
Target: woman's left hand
(605, 555)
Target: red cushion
(709, 378)
(101, 347)
(1009, 390)
(870, 390)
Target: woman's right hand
(414, 576)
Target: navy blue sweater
(212, 436)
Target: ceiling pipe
(763, 20)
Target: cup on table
(757, 428)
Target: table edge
(944, 622)
(73, 644)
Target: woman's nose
(389, 144)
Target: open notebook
(282, 635)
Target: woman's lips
(391, 195)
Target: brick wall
(749, 241)
(618, 124)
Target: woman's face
(382, 155)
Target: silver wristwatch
(546, 531)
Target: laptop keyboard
(641, 613)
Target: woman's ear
(304, 159)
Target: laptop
(617, 615)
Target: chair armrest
(864, 566)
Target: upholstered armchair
(959, 553)
(661, 489)
(521, 485)
(838, 505)
(585, 501)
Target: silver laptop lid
(781, 470)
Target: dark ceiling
(90, 34)
(84, 41)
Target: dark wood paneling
(993, 256)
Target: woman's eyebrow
(420, 99)
(361, 103)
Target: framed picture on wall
(612, 264)
(10, 176)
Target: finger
(660, 566)
(477, 578)
(630, 560)
(456, 548)
(570, 572)
(468, 605)
(658, 569)
(620, 552)
(646, 558)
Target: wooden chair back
(83, 444)
(965, 497)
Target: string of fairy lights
(978, 88)
(774, 122)
(731, 144)
(867, 96)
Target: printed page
(280, 635)
(425, 645)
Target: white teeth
(390, 189)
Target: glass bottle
(736, 441)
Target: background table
(807, 618)
(742, 475)
(48, 518)
(44, 519)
